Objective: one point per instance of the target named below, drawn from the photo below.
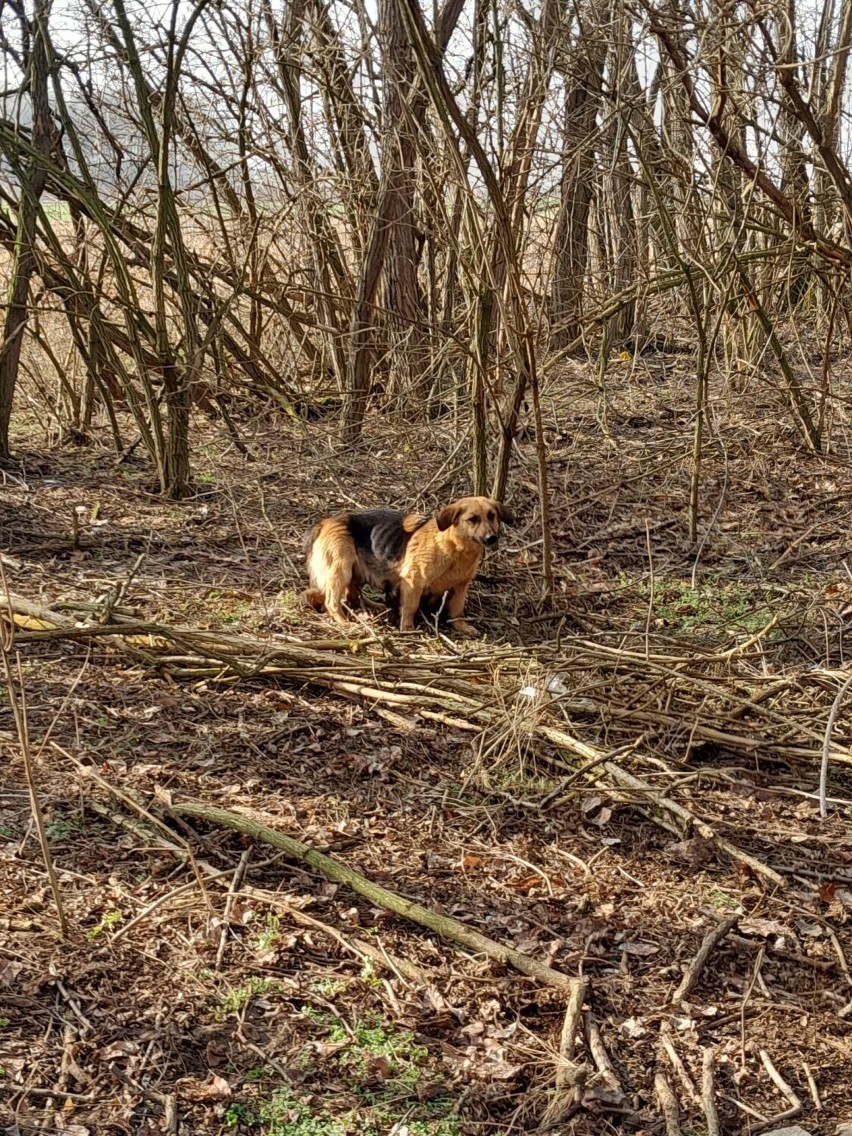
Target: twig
(678, 1065)
(785, 1090)
(752, 640)
(173, 838)
(167, 896)
(361, 950)
(69, 1062)
(236, 884)
(695, 968)
(570, 1078)
(754, 977)
(708, 1092)
(668, 1104)
(597, 1049)
(841, 957)
(826, 746)
(75, 1005)
(687, 819)
(166, 1101)
(651, 590)
(18, 702)
(812, 1085)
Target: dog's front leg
(455, 612)
(409, 602)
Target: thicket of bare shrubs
(416, 210)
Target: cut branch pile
(608, 707)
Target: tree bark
(576, 191)
(403, 299)
(33, 178)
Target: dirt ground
(275, 1001)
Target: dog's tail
(332, 562)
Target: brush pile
(640, 719)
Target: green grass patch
(110, 919)
(235, 999)
(63, 827)
(712, 606)
(379, 1066)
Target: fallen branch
(668, 1104)
(648, 794)
(796, 1106)
(708, 1092)
(359, 948)
(597, 1049)
(447, 928)
(694, 971)
(570, 1078)
(668, 1045)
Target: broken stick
(442, 925)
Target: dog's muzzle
(490, 541)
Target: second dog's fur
(410, 555)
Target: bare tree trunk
(571, 238)
(348, 117)
(329, 269)
(33, 178)
(619, 184)
(362, 328)
(836, 81)
(403, 300)
(794, 174)
(357, 390)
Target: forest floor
(285, 1004)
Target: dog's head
(477, 520)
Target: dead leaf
(695, 851)
(328, 1048)
(603, 817)
(378, 1069)
(527, 883)
(599, 1094)
(9, 971)
(213, 1089)
(216, 1053)
(241, 914)
(163, 796)
(640, 950)
(754, 925)
(14, 1067)
(119, 1050)
(502, 1070)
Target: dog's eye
(491, 516)
(474, 520)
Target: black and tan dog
(417, 558)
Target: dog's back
(352, 549)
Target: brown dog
(410, 555)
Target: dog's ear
(447, 516)
(507, 517)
